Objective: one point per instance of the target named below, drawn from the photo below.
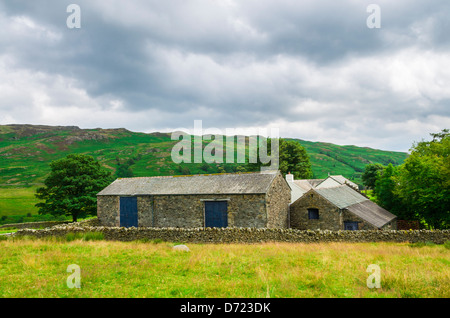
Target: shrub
(73, 236)
(93, 236)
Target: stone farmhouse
(257, 200)
(335, 204)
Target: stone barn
(339, 208)
(257, 200)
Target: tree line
(419, 189)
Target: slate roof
(233, 183)
(340, 180)
(372, 213)
(307, 184)
(342, 196)
(345, 197)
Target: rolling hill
(27, 150)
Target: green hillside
(27, 150)
(348, 161)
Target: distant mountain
(27, 150)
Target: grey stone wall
(242, 235)
(33, 225)
(146, 214)
(329, 214)
(108, 210)
(187, 211)
(277, 203)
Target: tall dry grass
(37, 268)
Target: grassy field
(17, 201)
(38, 268)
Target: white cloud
(313, 70)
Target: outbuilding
(339, 208)
(257, 200)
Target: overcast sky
(313, 69)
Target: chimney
(290, 177)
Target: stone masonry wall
(187, 211)
(329, 214)
(277, 203)
(33, 225)
(108, 210)
(240, 235)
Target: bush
(93, 236)
(73, 236)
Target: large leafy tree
(385, 191)
(424, 180)
(71, 187)
(294, 159)
(370, 175)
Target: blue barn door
(351, 226)
(216, 214)
(128, 212)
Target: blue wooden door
(351, 226)
(216, 214)
(128, 212)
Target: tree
(424, 181)
(386, 194)
(294, 159)
(72, 186)
(370, 175)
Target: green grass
(17, 201)
(8, 230)
(38, 268)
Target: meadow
(15, 200)
(32, 268)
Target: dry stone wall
(240, 235)
(33, 225)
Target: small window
(313, 214)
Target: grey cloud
(237, 63)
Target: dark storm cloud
(309, 67)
